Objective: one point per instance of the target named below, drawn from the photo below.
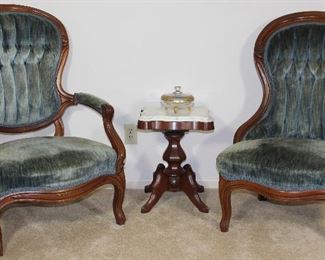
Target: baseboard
(132, 185)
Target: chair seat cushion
(52, 163)
(282, 164)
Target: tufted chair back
(30, 48)
(290, 59)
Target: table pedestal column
(174, 177)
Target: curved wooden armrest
(107, 112)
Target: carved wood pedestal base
(174, 177)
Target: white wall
(131, 52)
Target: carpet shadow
(300, 214)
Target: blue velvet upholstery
(285, 149)
(90, 101)
(284, 164)
(52, 163)
(29, 54)
(295, 62)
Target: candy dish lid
(177, 97)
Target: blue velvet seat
(283, 164)
(52, 163)
(279, 153)
(33, 50)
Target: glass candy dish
(177, 103)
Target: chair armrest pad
(90, 101)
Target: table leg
(174, 177)
(188, 169)
(158, 186)
(148, 188)
(191, 188)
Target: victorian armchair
(280, 152)
(33, 51)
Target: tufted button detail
(30, 102)
(295, 64)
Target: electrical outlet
(130, 134)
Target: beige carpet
(174, 229)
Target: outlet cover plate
(130, 134)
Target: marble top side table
(174, 177)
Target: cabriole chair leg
(225, 202)
(119, 191)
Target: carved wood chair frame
(67, 100)
(266, 193)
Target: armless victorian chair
(280, 152)
(33, 51)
